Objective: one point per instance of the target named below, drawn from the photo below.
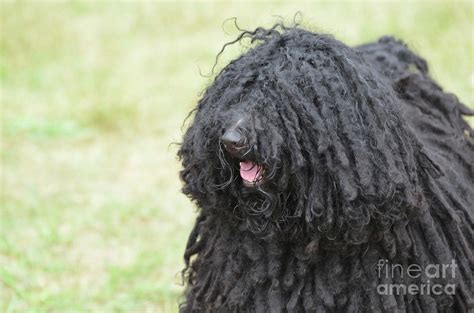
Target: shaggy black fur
(364, 158)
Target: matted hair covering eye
(365, 158)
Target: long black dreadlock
(360, 157)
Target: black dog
(328, 179)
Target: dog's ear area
(193, 174)
(204, 173)
(344, 192)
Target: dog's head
(300, 134)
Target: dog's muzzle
(234, 142)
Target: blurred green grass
(92, 95)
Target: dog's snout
(232, 137)
(233, 140)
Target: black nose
(233, 141)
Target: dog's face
(251, 146)
(241, 150)
(299, 135)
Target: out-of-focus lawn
(92, 95)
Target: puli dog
(328, 179)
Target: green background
(92, 98)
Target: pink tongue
(250, 171)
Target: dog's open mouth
(251, 173)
